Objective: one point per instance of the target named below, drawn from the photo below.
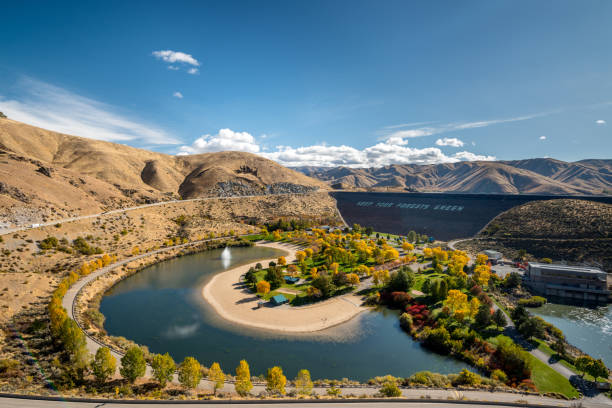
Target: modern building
(494, 256)
(570, 282)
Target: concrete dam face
(439, 215)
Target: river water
(588, 328)
(162, 307)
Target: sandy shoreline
(235, 303)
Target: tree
(456, 300)
(190, 373)
(133, 364)
(512, 280)
(250, 277)
(519, 314)
(481, 259)
(300, 256)
(216, 376)
(282, 261)
(276, 381)
(597, 368)
(263, 287)
(380, 276)
(582, 364)
(324, 284)
(412, 236)
(559, 347)
(390, 389)
(243, 379)
(303, 383)
(531, 327)
(163, 368)
(474, 306)
(104, 364)
(439, 289)
(352, 278)
(274, 276)
(499, 318)
(483, 316)
(482, 274)
(401, 281)
(368, 231)
(407, 246)
(406, 321)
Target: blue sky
(357, 83)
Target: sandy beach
(234, 302)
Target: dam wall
(444, 216)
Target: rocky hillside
(532, 176)
(60, 175)
(569, 230)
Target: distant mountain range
(530, 176)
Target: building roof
(567, 268)
(278, 299)
(493, 254)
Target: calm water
(589, 329)
(162, 308)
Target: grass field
(548, 380)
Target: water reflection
(226, 258)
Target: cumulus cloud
(176, 57)
(600, 122)
(193, 71)
(542, 137)
(177, 94)
(391, 151)
(54, 108)
(226, 139)
(450, 141)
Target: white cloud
(54, 108)
(542, 137)
(600, 122)
(173, 68)
(226, 139)
(193, 71)
(176, 56)
(178, 95)
(391, 151)
(450, 141)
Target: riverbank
(234, 302)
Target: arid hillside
(576, 231)
(532, 176)
(46, 175)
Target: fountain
(226, 257)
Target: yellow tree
(362, 270)
(380, 276)
(276, 381)
(303, 383)
(482, 274)
(276, 235)
(427, 252)
(353, 279)
(456, 300)
(474, 305)
(281, 260)
(391, 254)
(481, 259)
(407, 246)
(243, 379)
(263, 287)
(314, 272)
(334, 267)
(300, 256)
(216, 376)
(308, 252)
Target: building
(279, 300)
(494, 256)
(569, 282)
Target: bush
(437, 339)
(390, 389)
(429, 379)
(466, 377)
(48, 243)
(534, 301)
(405, 321)
(499, 375)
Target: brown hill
(65, 174)
(532, 176)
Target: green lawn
(548, 380)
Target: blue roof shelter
(290, 280)
(279, 300)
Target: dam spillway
(444, 216)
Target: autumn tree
(300, 256)
(281, 261)
(243, 383)
(482, 274)
(163, 367)
(263, 287)
(407, 246)
(276, 381)
(352, 278)
(103, 365)
(481, 259)
(190, 373)
(216, 376)
(303, 383)
(133, 364)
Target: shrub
(429, 379)
(437, 339)
(534, 301)
(133, 364)
(499, 375)
(390, 389)
(48, 243)
(406, 321)
(466, 377)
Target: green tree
(216, 376)
(163, 367)
(598, 369)
(274, 275)
(402, 280)
(104, 364)
(582, 364)
(390, 389)
(323, 283)
(499, 318)
(243, 379)
(531, 327)
(512, 280)
(412, 236)
(303, 383)
(133, 364)
(190, 373)
(276, 381)
(368, 231)
(559, 347)
(483, 316)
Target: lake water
(588, 328)
(162, 307)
